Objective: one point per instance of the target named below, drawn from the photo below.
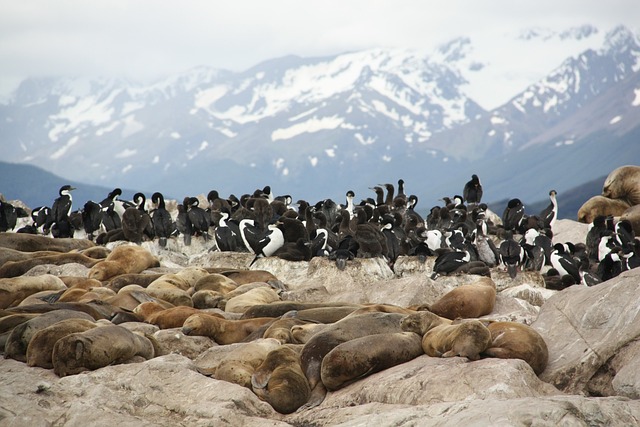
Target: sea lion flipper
(317, 396)
(260, 379)
(498, 352)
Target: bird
(536, 257)
(112, 210)
(183, 223)
(513, 215)
(91, 218)
(136, 222)
(611, 265)
(512, 255)
(350, 195)
(486, 249)
(227, 233)
(472, 191)
(163, 224)
(216, 203)
(263, 243)
(60, 211)
(586, 277)
(549, 214)
(448, 262)
(346, 250)
(562, 261)
(198, 217)
(299, 250)
(8, 216)
(597, 229)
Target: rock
(173, 341)
(163, 391)
(585, 327)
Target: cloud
(145, 39)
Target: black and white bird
(597, 229)
(60, 211)
(549, 214)
(564, 263)
(448, 262)
(512, 255)
(8, 216)
(227, 233)
(513, 215)
(472, 191)
(536, 257)
(263, 243)
(485, 248)
(91, 218)
(611, 265)
(163, 224)
(587, 278)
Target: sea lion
(8, 254)
(335, 334)
(279, 381)
(259, 295)
(18, 268)
(242, 277)
(600, 205)
(97, 252)
(278, 308)
(206, 298)
(633, 216)
(239, 364)
(215, 282)
(281, 329)
(99, 347)
(141, 279)
(466, 339)
(7, 323)
(173, 341)
(360, 357)
(422, 321)
(80, 282)
(96, 310)
(130, 299)
(303, 333)
(40, 348)
(223, 331)
(18, 339)
(174, 317)
(170, 279)
(123, 259)
(623, 183)
(513, 340)
(25, 242)
(380, 308)
(467, 301)
(167, 292)
(14, 290)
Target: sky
(145, 40)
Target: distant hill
(37, 187)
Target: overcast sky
(146, 39)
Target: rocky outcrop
(592, 376)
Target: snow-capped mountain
(320, 126)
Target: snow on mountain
(296, 121)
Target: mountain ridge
(325, 125)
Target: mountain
(317, 127)
(36, 187)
